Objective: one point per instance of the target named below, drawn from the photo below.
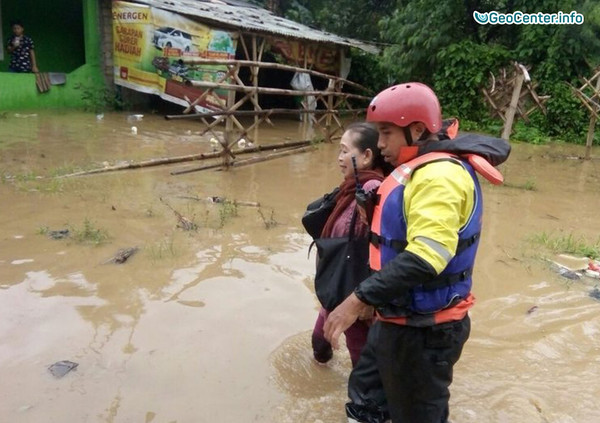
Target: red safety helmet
(404, 104)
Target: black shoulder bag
(343, 263)
(317, 212)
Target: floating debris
(21, 261)
(532, 309)
(570, 262)
(61, 368)
(565, 272)
(183, 222)
(592, 274)
(595, 293)
(134, 118)
(59, 234)
(223, 200)
(569, 274)
(122, 255)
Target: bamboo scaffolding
(592, 104)
(509, 96)
(187, 158)
(332, 98)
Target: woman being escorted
(359, 141)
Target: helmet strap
(408, 135)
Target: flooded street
(214, 325)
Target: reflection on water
(214, 325)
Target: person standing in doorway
(21, 49)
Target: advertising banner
(153, 51)
(319, 57)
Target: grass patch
(65, 169)
(29, 181)
(529, 134)
(50, 186)
(528, 185)
(567, 244)
(25, 177)
(42, 230)
(269, 221)
(88, 233)
(162, 250)
(227, 211)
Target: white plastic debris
(134, 118)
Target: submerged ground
(213, 325)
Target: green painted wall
(66, 34)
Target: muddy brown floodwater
(214, 325)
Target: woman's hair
(366, 136)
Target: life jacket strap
(395, 244)
(447, 280)
(463, 244)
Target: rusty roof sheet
(243, 15)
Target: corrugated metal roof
(250, 17)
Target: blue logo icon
(481, 18)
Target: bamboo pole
(590, 135)
(254, 72)
(510, 114)
(188, 158)
(241, 38)
(308, 130)
(245, 162)
(263, 112)
(269, 65)
(220, 200)
(229, 72)
(273, 91)
(272, 156)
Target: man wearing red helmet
(424, 238)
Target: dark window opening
(56, 28)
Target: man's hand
(367, 313)
(342, 318)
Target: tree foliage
(439, 43)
